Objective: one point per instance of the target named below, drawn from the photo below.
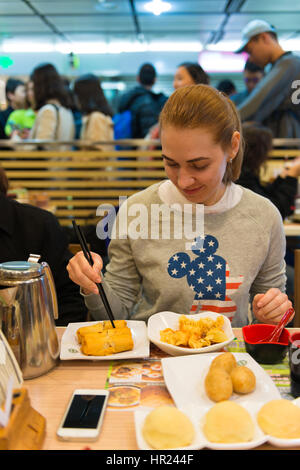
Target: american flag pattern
(208, 277)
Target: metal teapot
(28, 307)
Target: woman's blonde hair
(203, 106)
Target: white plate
(162, 320)
(184, 377)
(139, 418)
(70, 348)
(196, 415)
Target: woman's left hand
(269, 307)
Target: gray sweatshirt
(241, 254)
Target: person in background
(21, 121)
(16, 98)
(54, 120)
(73, 107)
(26, 229)
(189, 73)
(227, 87)
(272, 103)
(282, 191)
(144, 104)
(97, 124)
(252, 76)
(202, 149)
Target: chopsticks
(87, 254)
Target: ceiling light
(107, 4)
(228, 46)
(26, 46)
(157, 7)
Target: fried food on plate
(195, 333)
(101, 339)
(225, 361)
(218, 384)
(243, 380)
(99, 327)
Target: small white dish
(162, 320)
(259, 437)
(70, 348)
(139, 418)
(285, 443)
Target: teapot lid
(19, 270)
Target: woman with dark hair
(187, 73)
(282, 191)
(54, 121)
(190, 73)
(97, 124)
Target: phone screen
(84, 412)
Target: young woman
(54, 120)
(189, 73)
(97, 124)
(239, 254)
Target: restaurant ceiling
(206, 21)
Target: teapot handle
(52, 288)
(35, 259)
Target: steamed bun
(166, 427)
(228, 422)
(280, 418)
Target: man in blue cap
(271, 103)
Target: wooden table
(50, 393)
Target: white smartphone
(84, 415)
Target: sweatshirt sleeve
(272, 270)
(122, 281)
(269, 93)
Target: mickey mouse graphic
(207, 275)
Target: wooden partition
(77, 182)
(277, 159)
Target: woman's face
(182, 78)
(195, 163)
(30, 93)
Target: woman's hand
(85, 275)
(269, 307)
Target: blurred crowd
(48, 107)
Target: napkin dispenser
(28, 307)
(26, 428)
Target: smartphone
(84, 415)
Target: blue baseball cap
(252, 29)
